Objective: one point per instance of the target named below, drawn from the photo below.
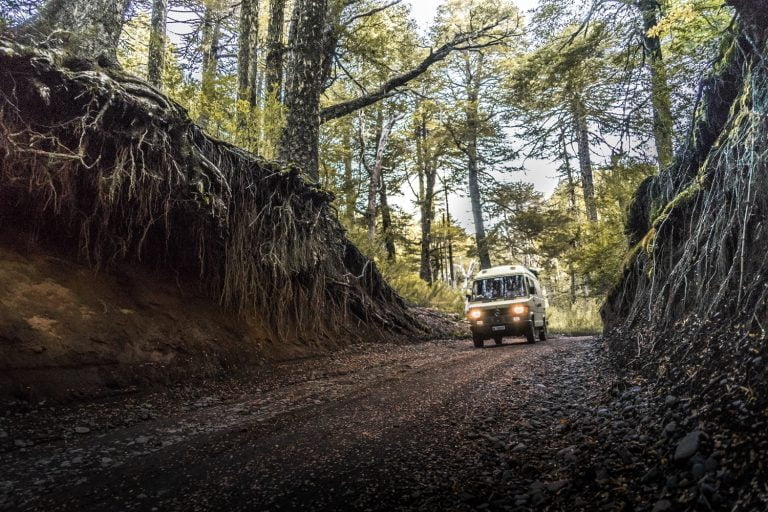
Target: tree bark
(660, 97)
(348, 185)
(473, 133)
(460, 42)
(581, 127)
(386, 223)
(254, 86)
(210, 50)
(449, 237)
(85, 29)
(156, 52)
(299, 140)
(426, 196)
(245, 44)
(385, 129)
(566, 157)
(274, 62)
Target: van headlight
(519, 309)
(475, 314)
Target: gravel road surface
(431, 426)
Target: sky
(539, 172)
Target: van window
(505, 287)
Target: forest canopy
(402, 123)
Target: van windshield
(505, 287)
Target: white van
(507, 301)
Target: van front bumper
(509, 328)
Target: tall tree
(426, 168)
(387, 227)
(384, 130)
(559, 92)
(300, 137)
(210, 46)
(313, 39)
(578, 112)
(157, 38)
(274, 62)
(88, 29)
(660, 95)
(473, 74)
(247, 52)
(472, 77)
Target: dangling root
(103, 164)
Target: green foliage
(438, 295)
(473, 102)
(132, 55)
(579, 319)
(403, 276)
(689, 25)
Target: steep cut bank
(692, 306)
(98, 167)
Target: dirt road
(437, 425)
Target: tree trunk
(86, 29)
(427, 219)
(385, 129)
(370, 206)
(210, 50)
(348, 185)
(386, 223)
(156, 52)
(247, 73)
(574, 286)
(473, 129)
(274, 62)
(660, 97)
(299, 140)
(253, 68)
(581, 128)
(245, 43)
(426, 193)
(448, 235)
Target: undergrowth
(579, 319)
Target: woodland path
(436, 425)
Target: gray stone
(82, 430)
(556, 485)
(688, 445)
(662, 506)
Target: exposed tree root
(692, 305)
(103, 164)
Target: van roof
(505, 270)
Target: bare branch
(461, 42)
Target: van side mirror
(469, 297)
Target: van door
(537, 303)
